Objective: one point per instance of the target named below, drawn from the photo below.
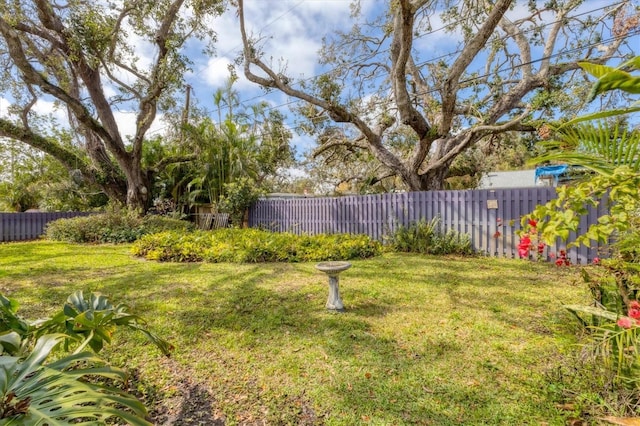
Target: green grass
(424, 340)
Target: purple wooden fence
(472, 212)
(29, 226)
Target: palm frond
(598, 147)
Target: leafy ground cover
(424, 340)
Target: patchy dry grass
(424, 340)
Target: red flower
(634, 305)
(540, 247)
(634, 313)
(596, 260)
(524, 246)
(497, 234)
(559, 262)
(552, 255)
(626, 322)
(533, 223)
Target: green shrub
(111, 227)
(240, 195)
(427, 238)
(252, 246)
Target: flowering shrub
(633, 316)
(530, 242)
(111, 227)
(615, 283)
(562, 259)
(618, 345)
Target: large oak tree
(86, 57)
(414, 113)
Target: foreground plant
(65, 391)
(33, 392)
(93, 321)
(613, 157)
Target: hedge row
(253, 245)
(112, 227)
(164, 239)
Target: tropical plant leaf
(93, 321)
(35, 393)
(592, 310)
(613, 78)
(616, 80)
(596, 70)
(632, 64)
(599, 147)
(10, 342)
(603, 114)
(9, 318)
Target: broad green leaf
(633, 63)
(616, 80)
(595, 70)
(10, 342)
(55, 394)
(602, 114)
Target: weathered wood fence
(490, 217)
(29, 226)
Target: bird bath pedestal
(333, 269)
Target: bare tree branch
(469, 52)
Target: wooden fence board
(471, 212)
(29, 226)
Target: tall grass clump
(429, 238)
(111, 227)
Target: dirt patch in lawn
(192, 403)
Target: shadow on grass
(380, 376)
(258, 316)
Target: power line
(436, 89)
(233, 49)
(504, 38)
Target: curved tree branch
(472, 48)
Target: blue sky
(293, 32)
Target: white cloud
(49, 108)
(4, 107)
(126, 121)
(291, 37)
(217, 72)
(303, 144)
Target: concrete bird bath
(333, 269)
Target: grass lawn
(424, 340)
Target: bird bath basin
(333, 269)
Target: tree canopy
(512, 65)
(86, 57)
